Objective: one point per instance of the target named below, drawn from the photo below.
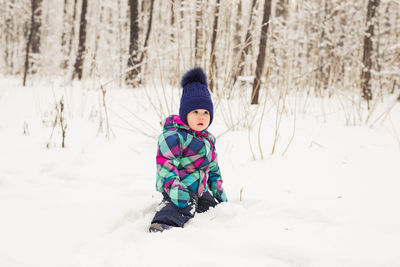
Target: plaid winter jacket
(187, 163)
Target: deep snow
(333, 199)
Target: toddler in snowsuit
(188, 175)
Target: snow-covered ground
(332, 199)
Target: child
(187, 168)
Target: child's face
(198, 119)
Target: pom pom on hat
(194, 75)
(195, 94)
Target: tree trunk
(36, 23)
(247, 40)
(213, 42)
(71, 36)
(279, 41)
(146, 40)
(133, 43)
(82, 43)
(93, 64)
(33, 43)
(198, 48)
(182, 14)
(261, 53)
(325, 51)
(368, 47)
(172, 20)
(281, 8)
(9, 38)
(237, 51)
(121, 27)
(64, 62)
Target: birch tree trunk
(323, 61)
(213, 42)
(9, 38)
(78, 67)
(198, 49)
(279, 41)
(247, 40)
(237, 50)
(368, 48)
(261, 53)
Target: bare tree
(368, 47)
(247, 39)
(237, 40)
(172, 19)
(64, 35)
(198, 49)
(97, 30)
(71, 36)
(325, 50)
(133, 42)
(33, 43)
(135, 63)
(279, 39)
(9, 37)
(213, 42)
(281, 8)
(182, 13)
(312, 45)
(121, 35)
(146, 39)
(261, 53)
(78, 67)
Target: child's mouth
(200, 124)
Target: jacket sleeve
(215, 179)
(168, 181)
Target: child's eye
(195, 112)
(205, 112)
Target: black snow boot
(159, 227)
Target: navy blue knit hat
(195, 94)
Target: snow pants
(168, 213)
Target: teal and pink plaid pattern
(187, 162)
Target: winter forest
(306, 100)
(323, 47)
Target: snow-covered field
(332, 199)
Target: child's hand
(221, 196)
(179, 196)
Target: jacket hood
(174, 121)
